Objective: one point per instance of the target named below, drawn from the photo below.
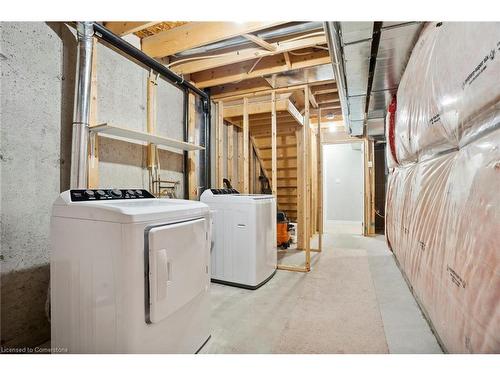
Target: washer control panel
(104, 194)
(224, 191)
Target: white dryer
(244, 251)
(129, 273)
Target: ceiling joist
(267, 66)
(124, 28)
(197, 64)
(260, 42)
(197, 34)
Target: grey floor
(354, 300)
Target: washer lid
(127, 210)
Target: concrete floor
(354, 300)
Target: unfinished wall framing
(282, 149)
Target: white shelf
(144, 137)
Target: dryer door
(178, 267)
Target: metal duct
(351, 45)
(332, 30)
(81, 112)
(396, 44)
(239, 41)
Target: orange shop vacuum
(283, 227)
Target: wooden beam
(313, 99)
(192, 65)
(220, 145)
(124, 28)
(259, 158)
(267, 66)
(260, 42)
(301, 188)
(287, 60)
(274, 161)
(324, 88)
(230, 152)
(193, 184)
(255, 107)
(240, 159)
(294, 112)
(230, 93)
(307, 174)
(320, 183)
(245, 87)
(327, 98)
(196, 34)
(245, 147)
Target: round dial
(115, 193)
(101, 193)
(89, 193)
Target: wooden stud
(320, 184)
(301, 189)
(240, 160)
(192, 155)
(274, 162)
(307, 208)
(246, 127)
(230, 152)
(287, 60)
(220, 145)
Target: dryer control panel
(224, 191)
(103, 194)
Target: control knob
(117, 193)
(89, 193)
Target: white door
(343, 188)
(178, 267)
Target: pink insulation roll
(443, 199)
(449, 90)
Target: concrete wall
(343, 182)
(37, 90)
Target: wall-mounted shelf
(144, 137)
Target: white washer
(244, 252)
(129, 273)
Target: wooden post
(192, 155)
(240, 160)
(220, 144)
(300, 188)
(319, 153)
(369, 217)
(307, 174)
(93, 160)
(274, 161)
(230, 152)
(246, 155)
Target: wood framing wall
(283, 147)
